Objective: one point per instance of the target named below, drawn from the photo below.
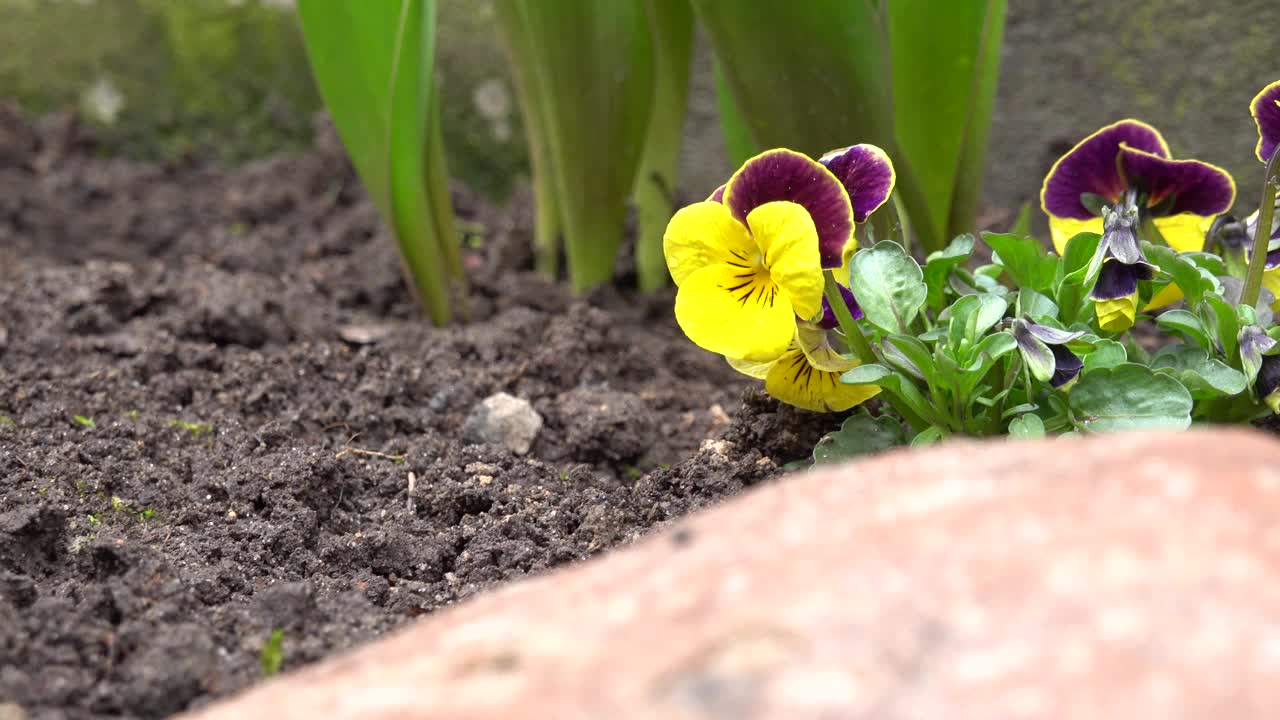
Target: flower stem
(853, 334)
(862, 348)
(1262, 233)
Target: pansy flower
(808, 374)
(1044, 349)
(1119, 264)
(1266, 113)
(1181, 197)
(748, 261)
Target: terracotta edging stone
(1119, 577)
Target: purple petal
(1052, 336)
(867, 175)
(1266, 113)
(1066, 366)
(718, 195)
(1091, 167)
(1195, 187)
(789, 175)
(1117, 280)
(828, 320)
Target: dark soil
(191, 454)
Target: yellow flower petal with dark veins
(757, 370)
(736, 312)
(1116, 315)
(704, 234)
(815, 343)
(788, 239)
(1063, 229)
(1184, 232)
(794, 381)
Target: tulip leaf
(593, 68)
(1026, 427)
(1186, 325)
(889, 285)
(1025, 260)
(945, 62)
(737, 134)
(671, 26)
(940, 264)
(374, 66)
(860, 434)
(1204, 376)
(1129, 397)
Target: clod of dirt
(505, 420)
(598, 423)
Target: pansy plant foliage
(1033, 341)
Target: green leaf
(1130, 397)
(671, 27)
(272, 656)
(896, 383)
(970, 318)
(374, 65)
(594, 71)
(1222, 323)
(945, 61)
(1186, 325)
(787, 66)
(1186, 275)
(1025, 260)
(1105, 354)
(940, 264)
(1204, 376)
(1036, 306)
(908, 355)
(1026, 427)
(733, 126)
(889, 286)
(1022, 224)
(859, 435)
(1079, 251)
(985, 355)
(929, 436)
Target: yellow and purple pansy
(1181, 197)
(1266, 113)
(748, 261)
(808, 374)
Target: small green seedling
(272, 657)
(83, 421)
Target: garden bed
(214, 391)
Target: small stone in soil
(502, 419)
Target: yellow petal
(705, 234)
(785, 233)
(736, 313)
(795, 382)
(1271, 281)
(1063, 229)
(1168, 296)
(1184, 232)
(815, 343)
(1116, 315)
(757, 370)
